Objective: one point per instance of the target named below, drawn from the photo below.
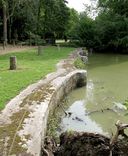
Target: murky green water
(107, 84)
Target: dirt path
(10, 49)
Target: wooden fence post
(13, 63)
(39, 50)
(58, 46)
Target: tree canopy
(33, 21)
(109, 30)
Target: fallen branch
(66, 113)
(44, 151)
(101, 110)
(63, 110)
(50, 146)
(120, 131)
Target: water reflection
(107, 83)
(78, 121)
(89, 91)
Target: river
(107, 85)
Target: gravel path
(10, 49)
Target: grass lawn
(31, 68)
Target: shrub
(79, 64)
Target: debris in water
(119, 106)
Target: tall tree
(56, 15)
(4, 4)
(8, 11)
(25, 19)
(71, 30)
(109, 30)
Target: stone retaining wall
(23, 122)
(83, 55)
(59, 88)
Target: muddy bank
(89, 144)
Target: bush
(35, 40)
(79, 64)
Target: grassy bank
(31, 68)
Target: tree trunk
(4, 26)
(13, 63)
(10, 30)
(38, 16)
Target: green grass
(31, 68)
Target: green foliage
(38, 17)
(72, 24)
(111, 32)
(31, 68)
(52, 126)
(79, 64)
(108, 31)
(70, 132)
(35, 40)
(50, 19)
(85, 30)
(114, 22)
(116, 6)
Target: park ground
(31, 67)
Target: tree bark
(120, 131)
(4, 26)
(38, 16)
(10, 30)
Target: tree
(4, 4)
(86, 30)
(109, 30)
(33, 20)
(73, 21)
(56, 15)
(8, 10)
(114, 15)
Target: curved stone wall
(59, 87)
(83, 55)
(24, 120)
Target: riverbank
(94, 109)
(82, 144)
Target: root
(44, 151)
(120, 131)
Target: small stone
(24, 146)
